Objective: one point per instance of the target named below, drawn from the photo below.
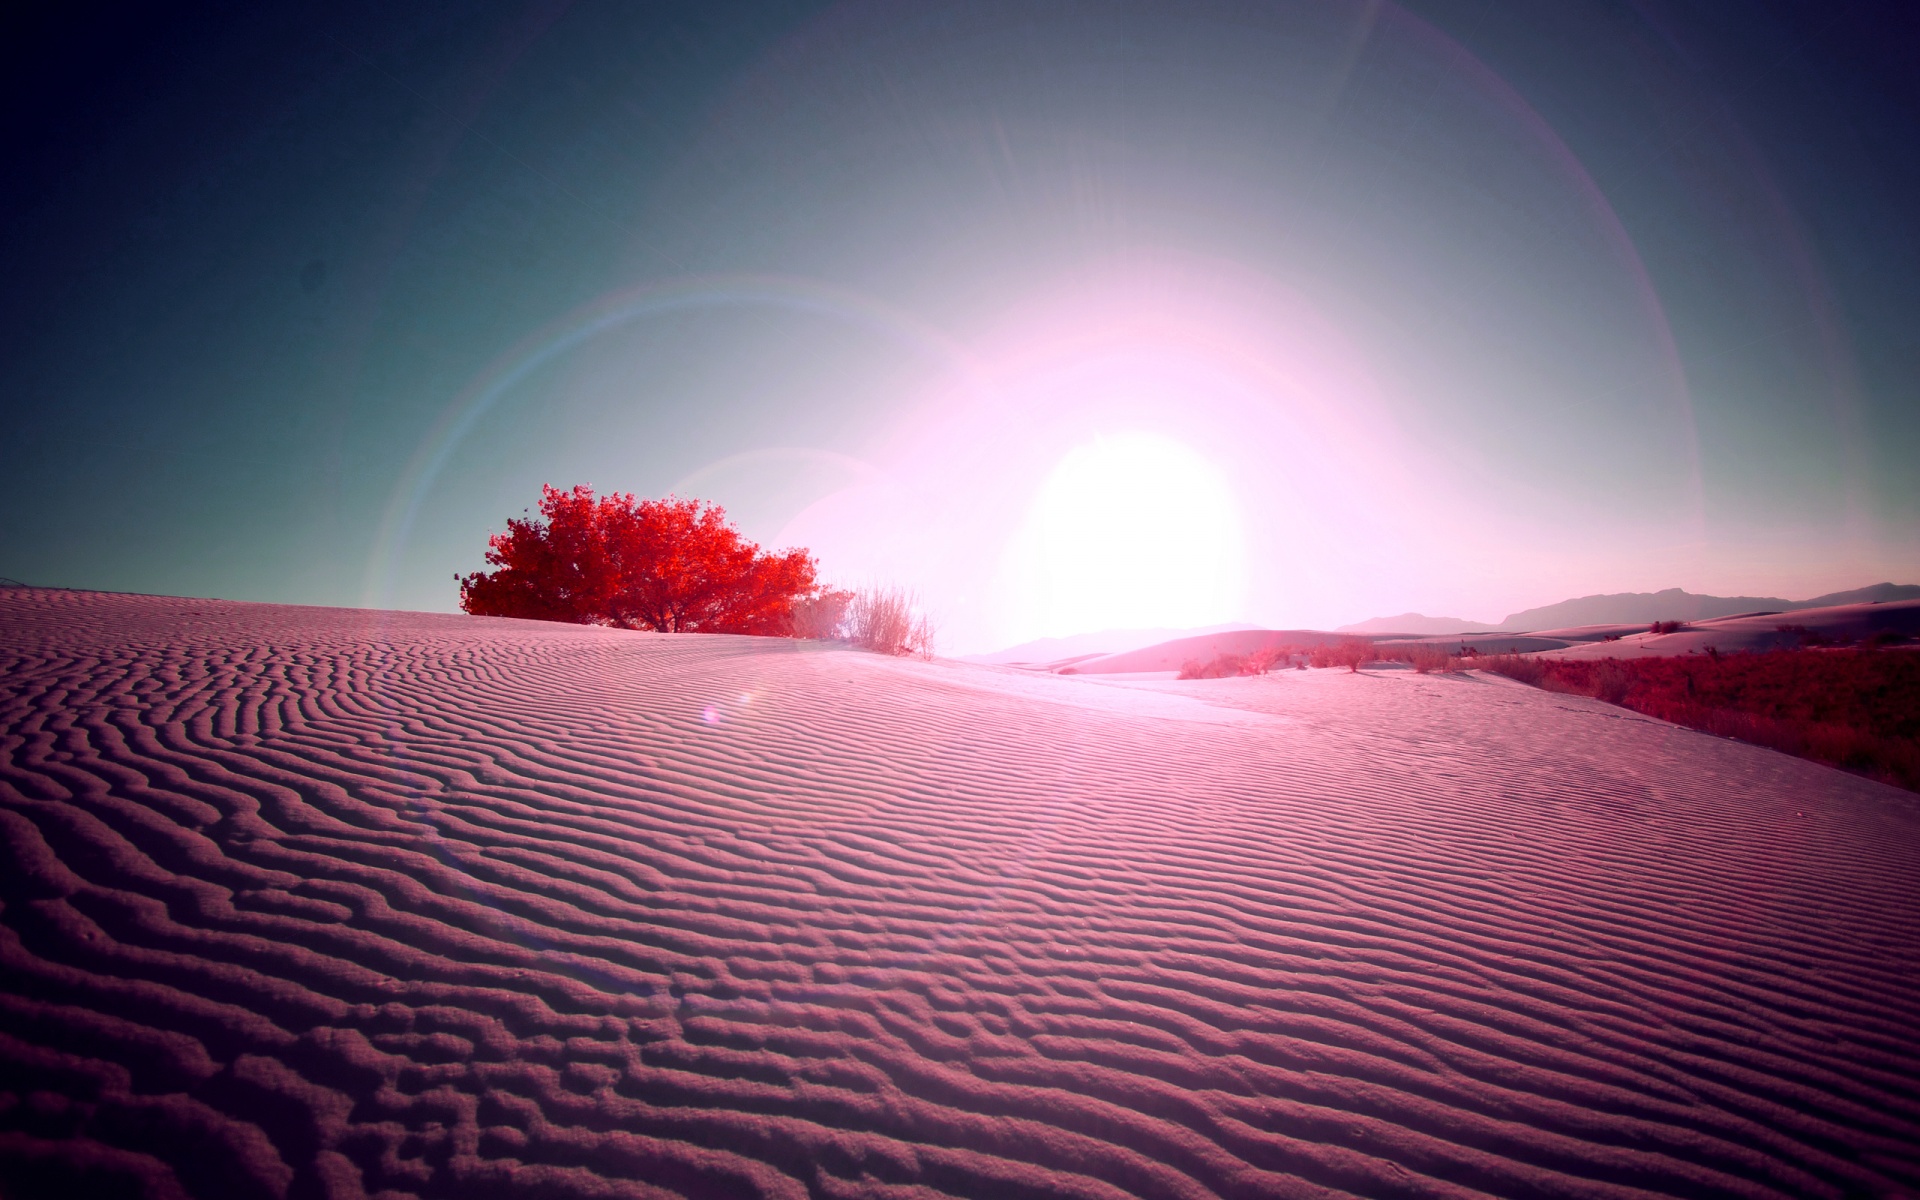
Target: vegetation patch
(1350, 653)
(1853, 708)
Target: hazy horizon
(1154, 316)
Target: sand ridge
(1749, 633)
(310, 902)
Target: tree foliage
(673, 566)
(823, 615)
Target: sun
(1130, 531)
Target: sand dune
(1627, 608)
(1754, 632)
(1414, 624)
(1058, 651)
(307, 902)
(1677, 605)
(1736, 634)
(1168, 656)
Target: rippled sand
(312, 902)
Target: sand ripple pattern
(321, 903)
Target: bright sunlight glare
(1132, 531)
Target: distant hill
(1632, 607)
(1623, 608)
(1154, 649)
(1879, 593)
(1417, 623)
(1677, 605)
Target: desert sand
(306, 902)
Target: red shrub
(1265, 659)
(1348, 652)
(670, 565)
(1222, 666)
(823, 615)
(1226, 666)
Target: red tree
(675, 566)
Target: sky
(1065, 316)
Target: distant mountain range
(1624, 608)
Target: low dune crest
(313, 902)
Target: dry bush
(1423, 659)
(1265, 659)
(886, 620)
(821, 616)
(1666, 627)
(1611, 681)
(1349, 652)
(1522, 667)
(1227, 666)
(1426, 659)
(1353, 653)
(1222, 666)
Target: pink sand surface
(322, 903)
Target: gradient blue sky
(1461, 307)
